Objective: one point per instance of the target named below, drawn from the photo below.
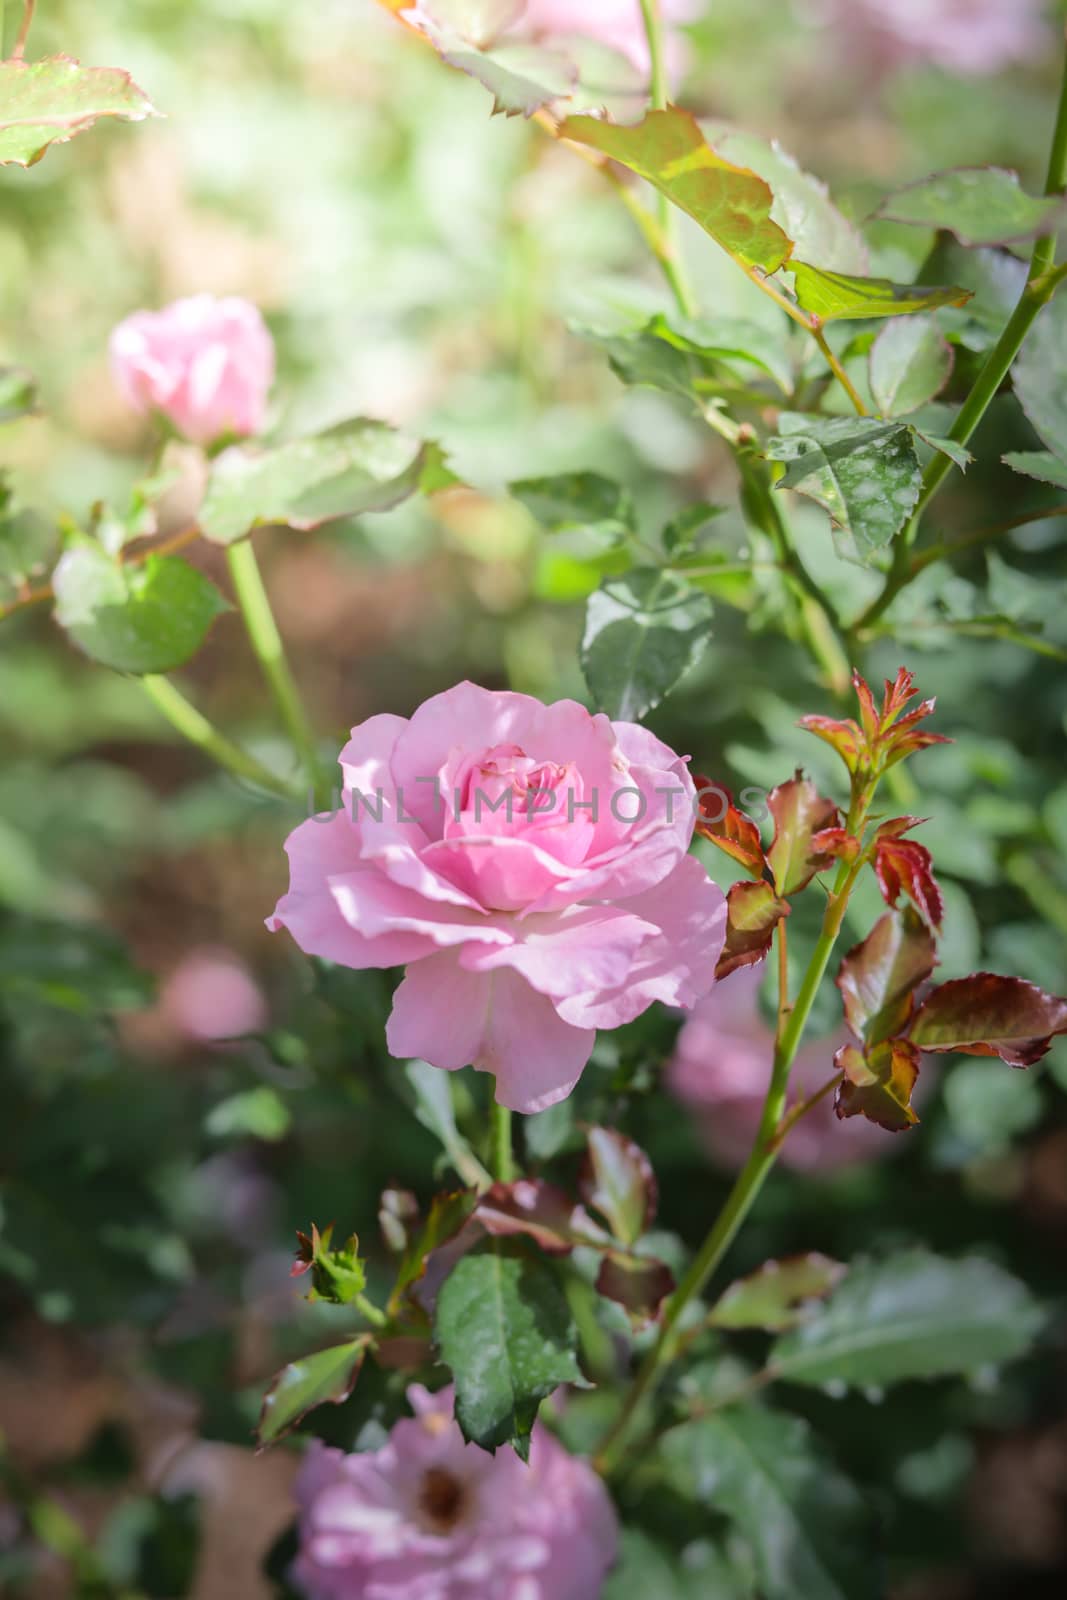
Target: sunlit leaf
(980, 205)
(878, 1083)
(799, 812)
(903, 866)
(987, 1015)
(753, 913)
(618, 1182)
(668, 149)
(350, 469)
(521, 77)
(643, 632)
(503, 1327)
(910, 363)
(147, 618)
(779, 1295)
(915, 1315)
(719, 820)
(328, 1376)
(833, 296)
(864, 472)
(48, 102)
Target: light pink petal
(534, 1055)
(499, 873)
(581, 951)
(374, 905)
(439, 1013)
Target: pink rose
(528, 864)
(970, 37)
(428, 1517)
(206, 364)
(617, 23)
(721, 1069)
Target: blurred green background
(421, 263)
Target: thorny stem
(792, 1022)
(1041, 285)
(194, 726)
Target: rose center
(442, 1499)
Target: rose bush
(528, 864)
(429, 1517)
(206, 364)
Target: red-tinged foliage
(728, 828)
(844, 735)
(800, 812)
(638, 1283)
(836, 842)
(883, 736)
(878, 1084)
(878, 978)
(618, 1182)
(987, 1015)
(903, 866)
(541, 1212)
(753, 913)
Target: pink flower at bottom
(428, 1517)
(527, 864)
(206, 364)
(721, 1069)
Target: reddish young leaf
(639, 1283)
(888, 735)
(903, 865)
(753, 913)
(541, 1212)
(878, 978)
(836, 842)
(799, 812)
(869, 715)
(617, 1181)
(878, 1085)
(720, 821)
(986, 1015)
(845, 736)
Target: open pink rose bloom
(721, 1069)
(527, 864)
(206, 364)
(428, 1517)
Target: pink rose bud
(206, 364)
(721, 1069)
(430, 1516)
(528, 864)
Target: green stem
(669, 258)
(267, 643)
(501, 1162)
(761, 1159)
(1041, 284)
(194, 726)
(370, 1312)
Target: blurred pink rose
(206, 364)
(428, 1517)
(721, 1069)
(617, 23)
(212, 995)
(963, 36)
(528, 864)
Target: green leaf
(352, 468)
(432, 1093)
(619, 1183)
(683, 532)
(668, 149)
(1039, 464)
(258, 1113)
(809, 1529)
(1040, 376)
(643, 632)
(879, 976)
(18, 393)
(725, 339)
(779, 1296)
(910, 363)
(833, 296)
(521, 77)
(141, 619)
(48, 102)
(503, 1327)
(582, 502)
(646, 1570)
(802, 204)
(915, 1315)
(328, 1376)
(980, 205)
(865, 473)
